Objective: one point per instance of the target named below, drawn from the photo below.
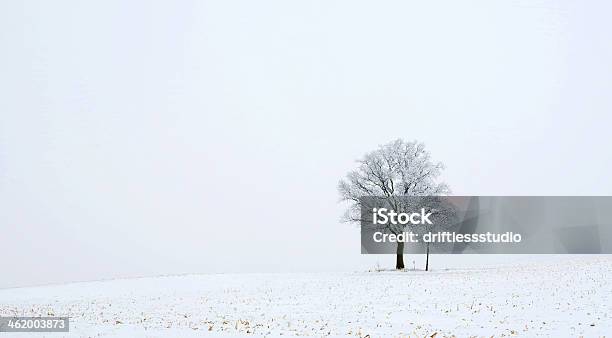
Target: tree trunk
(427, 259)
(399, 262)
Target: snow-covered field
(570, 298)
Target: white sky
(143, 138)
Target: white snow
(560, 298)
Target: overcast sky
(144, 138)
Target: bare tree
(395, 169)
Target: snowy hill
(561, 298)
